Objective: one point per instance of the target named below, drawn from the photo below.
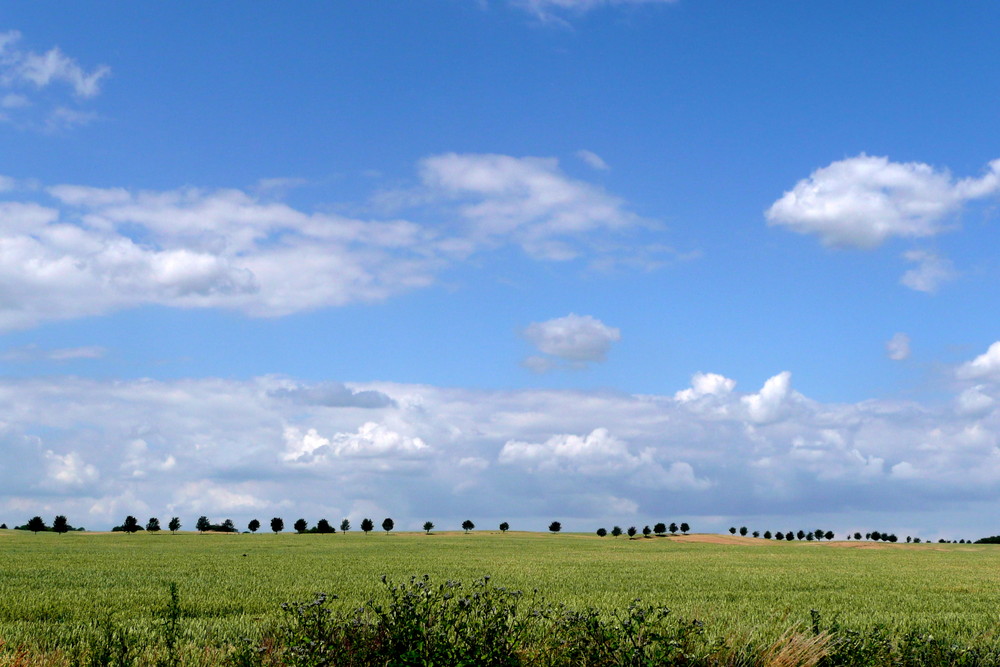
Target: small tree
(428, 527)
(857, 536)
(277, 525)
(555, 527)
(345, 526)
(601, 532)
(767, 534)
(646, 531)
(174, 525)
(228, 526)
(801, 534)
(130, 525)
(673, 528)
(367, 526)
(504, 527)
(467, 525)
(789, 536)
(756, 533)
(819, 534)
(660, 528)
(616, 531)
(875, 535)
(253, 526)
(323, 526)
(36, 524)
(779, 536)
(387, 525)
(829, 535)
(60, 524)
(631, 531)
(743, 531)
(300, 526)
(685, 528)
(732, 530)
(203, 524)
(809, 537)
(153, 525)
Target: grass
(57, 590)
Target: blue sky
(720, 262)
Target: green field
(53, 588)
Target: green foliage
(467, 525)
(387, 525)
(203, 524)
(601, 532)
(428, 527)
(253, 526)
(300, 526)
(345, 526)
(277, 525)
(36, 524)
(555, 527)
(153, 525)
(504, 527)
(174, 525)
(367, 525)
(60, 525)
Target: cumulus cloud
(592, 159)
(25, 73)
(898, 347)
(578, 339)
(930, 273)
(81, 250)
(863, 201)
(371, 440)
(986, 366)
(771, 402)
(706, 384)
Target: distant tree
(367, 526)
(253, 526)
(875, 535)
(820, 534)
(646, 531)
(685, 528)
(801, 534)
(601, 532)
(300, 526)
(203, 524)
(916, 540)
(631, 531)
(868, 536)
(153, 525)
(36, 524)
(174, 525)
(131, 524)
(616, 531)
(908, 539)
(767, 534)
(732, 530)
(323, 526)
(387, 525)
(3, 526)
(756, 533)
(892, 537)
(809, 537)
(829, 535)
(857, 536)
(428, 527)
(228, 526)
(277, 525)
(555, 527)
(779, 536)
(660, 528)
(345, 526)
(504, 527)
(743, 531)
(467, 525)
(789, 536)
(60, 524)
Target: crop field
(54, 588)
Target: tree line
(659, 529)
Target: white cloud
(974, 401)
(370, 441)
(29, 353)
(592, 159)
(985, 366)
(706, 384)
(898, 347)
(772, 400)
(69, 469)
(549, 9)
(863, 201)
(573, 338)
(930, 273)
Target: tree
(809, 537)
(829, 535)
(646, 530)
(60, 524)
(616, 531)
(203, 524)
(893, 538)
(277, 525)
(767, 534)
(130, 525)
(228, 526)
(387, 525)
(820, 534)
(174, 525)
(36, 524)
(428, 527)
(253, 526)
(857, 536)
(345, 526)
(685, 528)
(875, 535)
(601, 532)
(732, 530)
(660, 528)
(153, 525)
(631, 531)
(367, 526)
(743, 531)
(467, 525)
(300, 526)
(800, 534)
(323, 526)
(673, 528)
(789, 536)
(555, 527)
(504, 527)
